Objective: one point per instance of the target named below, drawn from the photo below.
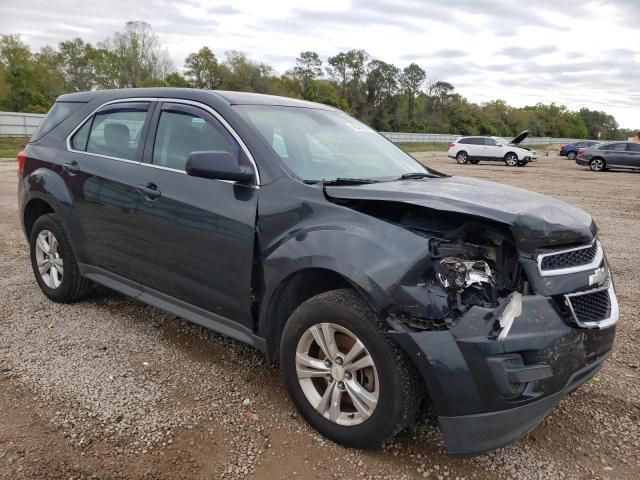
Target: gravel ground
(112, 388)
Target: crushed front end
(501, 334)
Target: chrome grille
(593, 308)
(572, 260)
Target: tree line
(383, 95)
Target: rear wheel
(511, 159)
(347, 378)
(462, 157)
(53, 262)
(572, 155)
(597, 164)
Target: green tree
(25, 92)
(308, 68)
(381, 84)
(599, 124)
(106, 68)
(4, 85)
(411, 80)
(77, 65)
(339, 71)
(137, 55)
(202, 69)
(174, 79)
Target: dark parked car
(375, 282)
(618, 155)
(571, 150)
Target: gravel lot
(111, 388)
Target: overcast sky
(573, 52)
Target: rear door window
(114, 131)
(617, 147)
(633, 147)
(183, 129)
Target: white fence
(24, 124)
(399, 137)
(19, 124)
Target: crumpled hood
(535, 220)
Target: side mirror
(218, 165)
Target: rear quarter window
(58, 113)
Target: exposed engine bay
(470, 264)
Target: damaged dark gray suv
(376, 283)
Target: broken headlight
(457, 274)
(468, 282)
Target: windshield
(325, 145)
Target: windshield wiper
(349, 181)
(416, 175)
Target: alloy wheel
(511, 160)
(596, 165)
(337, 374)
(571, 155)
(461, 158)
(49, 259)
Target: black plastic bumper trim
(471, 435)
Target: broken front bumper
(488, 393)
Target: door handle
(150, 191)
(71, 167)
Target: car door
(199, 233)
(492, 149)
(633, 155)
(100, 171)
(616, 155)
(471, 147)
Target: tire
(475, 161)
(572, 155)
(462, 157)
(511, 159)
(597, 164)
(66, 286)
(391, 379)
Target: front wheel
(597, 165)
(462, 158)
(347, 378)
(511, 159)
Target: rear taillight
(561, 147)
(21, 159)
(580, 151)
(452, 145)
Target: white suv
(474, 149)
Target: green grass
(424, 147)
(10, 147)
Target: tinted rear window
(619, 147)
(59, 112)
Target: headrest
(116, 133)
